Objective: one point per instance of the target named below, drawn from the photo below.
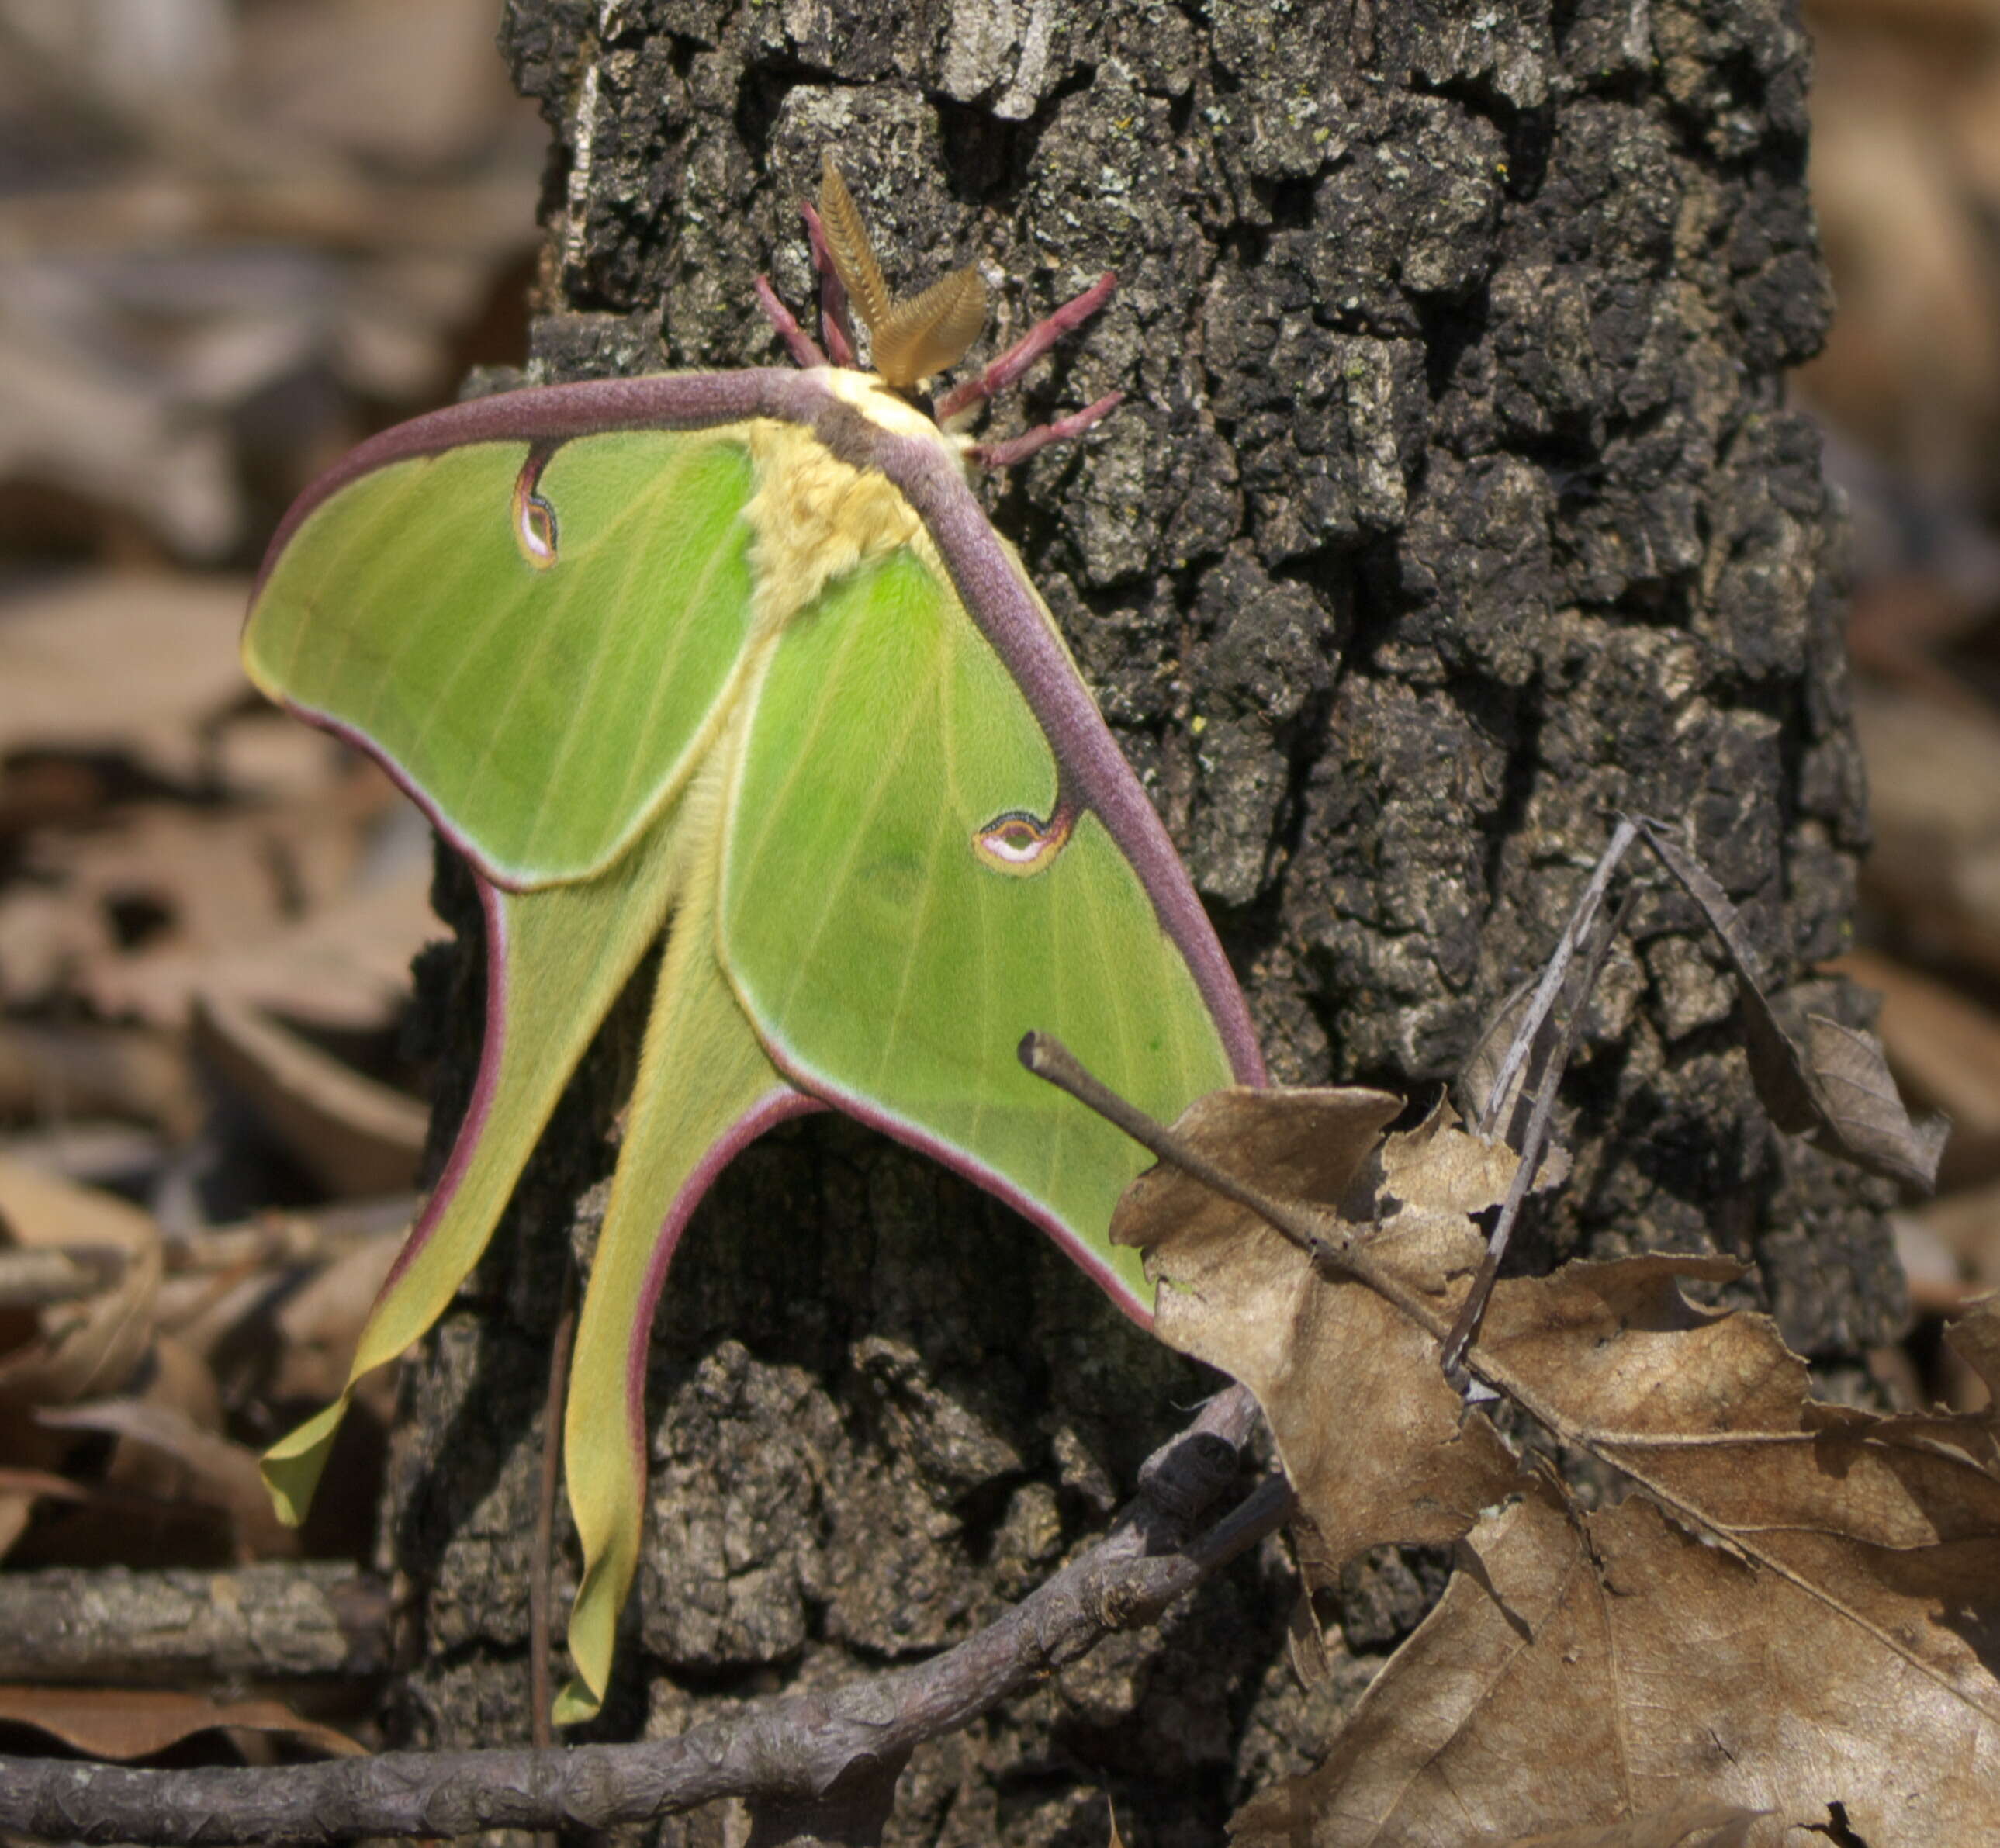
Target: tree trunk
(1454, 507)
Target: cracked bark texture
(1455, 507)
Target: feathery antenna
(908, 340)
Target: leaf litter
(1602, 1667)
(1795, 1604)
(241, 239)
(102, 971)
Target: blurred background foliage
(237, 235)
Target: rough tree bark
(1455, 507)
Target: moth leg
(834, 327)
(799, 344)
(1019, 448)
(1002, 372)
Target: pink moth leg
(838, 331)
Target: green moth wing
(556, 960)
(463, 656)
(817, 729)
(957, 896)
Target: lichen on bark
(1455, 507)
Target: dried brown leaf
(1944, 1048)
(1600, 1667)
(1860, 1105)
(36, 1279)
(1474, 1088)
(84, 1349)
(1936, 1278)
(345, 965)
(211, 1470)
(1441, 1167)
(1307, 1144)
(71, 415)
(1878, 1538)
(1830, 1083)
(1305, 1644)
(1975, 1339)
(45, 935)
(123, 1723)
(1689, 1825)
(1934, 811)
(1911, 365)
(125, 661)
(277, 1305)
(1707, 1411)
(323, 195)
(354, 1136)
(219, 890)
(17, 1508)
(318, 1325)
(272, 757)
(409, 87)
(78, 1070)
(1373, 1438)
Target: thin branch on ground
(785, 1753)
(274, 1623)
(1557, 971)
(1534, 1142)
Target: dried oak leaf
(1690, 1825)
(78, 1349)
(356, 1136)
(124, 1723)
(202, 1466)
(1826, 1082)
(1602, 1666)
(1373, 1438)
(1943, 1046)
(77, 1345)
(1934, 811)
(1877, 1538)
(1975, 1339)
(127, 662)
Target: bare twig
(1496, 1372)
(274, 1239)
(1534, 1144)
(789, 1751)
(180, 1628)
(1553, 976)
(40, 1275)
(1319, 1234)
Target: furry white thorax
(817, 518)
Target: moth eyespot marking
(535, 532)
(534, 518)
(1021, 844)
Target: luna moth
(735, 658)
